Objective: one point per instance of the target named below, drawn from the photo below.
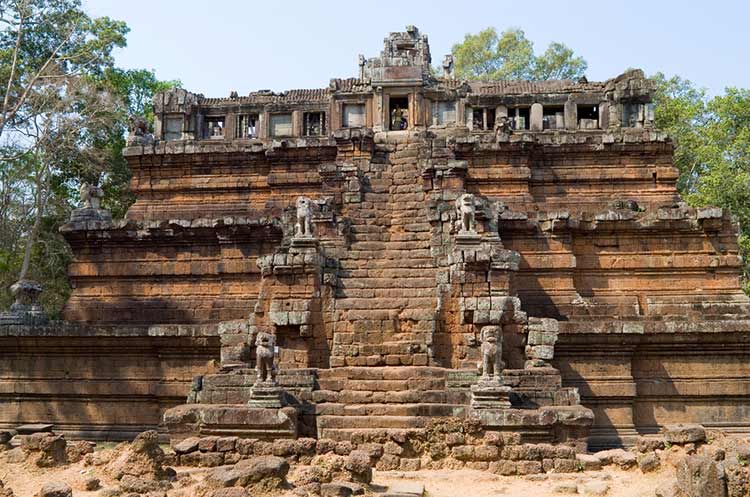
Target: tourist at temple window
(247, 126)
(213, 128)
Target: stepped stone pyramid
(397, 234)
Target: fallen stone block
(55, 489)
(684, 433)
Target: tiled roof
(268, 97)
(356, 85)
(517, 87)
(352, 85)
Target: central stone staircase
(387, 292)
(352, 401)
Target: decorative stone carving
(91, 196)
(265, 368)
(138, 131)
(492, 353)
(448, 66)
(466, 214)
(490, 392)
(90, 210)
(266, 392)
(26, 309)
(303, 228)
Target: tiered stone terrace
(580, 233)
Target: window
(313, 123)
(247, 126)
(281, 125)
(588, 116)
(444, 112)
(213, 128)
(519, 117)
(173, 129)
(553, 117)
(354, 115)
(399, 113)
(483, 118)
(630, 115)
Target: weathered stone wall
(96, 382)
(577, 235)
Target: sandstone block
(649, 462)
(388, 462)
(589, 462)
(684, 433)
(55, 489)
(186, 446)
(565, 465)
(699, 475)
(207, 444)
(226, 444)
(594, 488)
(358, 465)
(410, 464)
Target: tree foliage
(63, 120)
(712, 147)
(510, 55)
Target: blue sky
(215, 47)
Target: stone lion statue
(265, 344)
(466, 212)
(90, 196)
(492, 352)
(137, 125)
(303, 228)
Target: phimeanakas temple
(354, 262)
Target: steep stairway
(387, 293)
(354, 402)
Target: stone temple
(398, 248)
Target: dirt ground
(26, 481)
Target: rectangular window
(553, 117)
(588, 116)
(483, 118)
(354, 115)
(519, 117)
(173, 128)
(399, 113)
(631, 115)
(313, 123)
(213, 128)
(445, 112)
(247, 126)
(281, 125)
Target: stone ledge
(64, 329)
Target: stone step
(359, 434)
(412, 263)
(444, 397)
(383, 373)
(413, 384)
(380, 410)
(372, 422)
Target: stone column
(571, 114)
(378, 121)
(536, 116)
(603, 115)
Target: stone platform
(191, 420)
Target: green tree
(63, 120)
(510, 55)
(712, 148)
(136, 88)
